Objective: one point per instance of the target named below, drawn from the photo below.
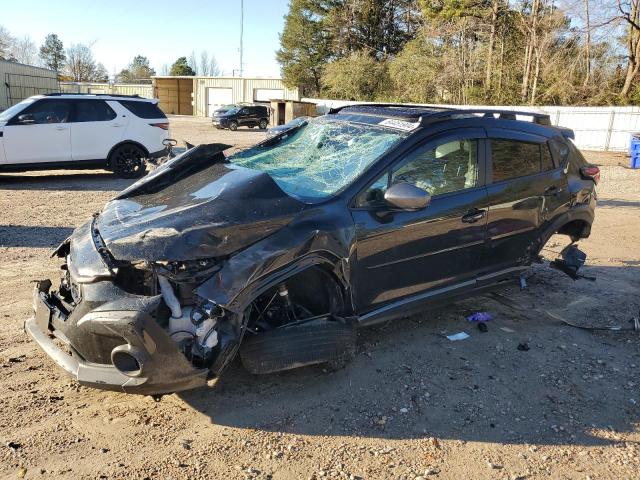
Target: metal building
(19, 81)
(200, 96)
(140, 89)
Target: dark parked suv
(281, 250)
(234, 116)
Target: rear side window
(143, 109)
(93, 111)
(512, 159)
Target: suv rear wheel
(233, 125)
(128, 161)
(263, 124)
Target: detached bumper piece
(136, 355)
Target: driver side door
(401, 253)
(40, 133)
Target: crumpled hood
(194, 207)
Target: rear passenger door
(95, 129)
(526, 190)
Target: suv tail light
(590, 172)
(163, 126)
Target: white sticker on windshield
(399, 124)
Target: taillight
(590, 172)
(164, 126)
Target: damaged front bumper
(104, 335)
(129, 351)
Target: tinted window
(513, 159)
(440, 169)
(93, 111)
(143, 109)
(45, 111)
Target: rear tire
(292, 347)
(233, 126)
(263, 124)
(128, 161)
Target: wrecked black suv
(281, 250)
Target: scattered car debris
(507, 329)
(523, 347)
(14, 446)
(570, 261)
(523, 282)
(612, 328)
(483, 327)
(480, 317)
(458, 336)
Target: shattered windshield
(317, 160)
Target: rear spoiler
(567, 133)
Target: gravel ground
(412, 404)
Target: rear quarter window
(143, 109)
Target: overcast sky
(161, 30)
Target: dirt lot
(411, 405)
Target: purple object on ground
(480, 317)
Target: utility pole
(241, 32)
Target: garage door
(266, 94)
(217, 97)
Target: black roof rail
(428, 114)
(58, 94)
(539, 118)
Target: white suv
(60, 130)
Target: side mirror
(407, 197)
(25, 119)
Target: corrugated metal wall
(174, 94)
(18, 81)
(243, 90)
(112, 89)
(596, 128)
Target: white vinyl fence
(596, 128)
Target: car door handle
(62, 128)
(552, 191)
(116, 125)
(474, 215)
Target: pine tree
(181, 67)
(52, 52)
(305, 45)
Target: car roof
(427, 114)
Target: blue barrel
(634, 150)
